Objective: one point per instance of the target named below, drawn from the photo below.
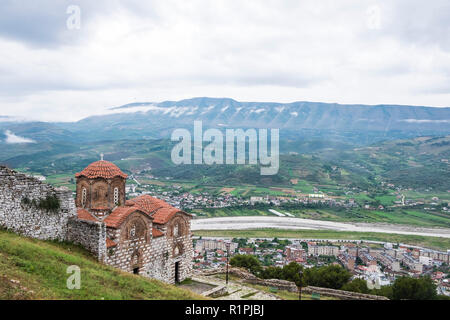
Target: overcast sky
(371, 52)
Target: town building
(318, 250)
(294, 253)
(210, 244)
(413, 264)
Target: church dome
(101, 169)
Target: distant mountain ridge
(295, 115)
(150, 120)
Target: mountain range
(148, 120)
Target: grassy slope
(429, 242)
(41, 266)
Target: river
(258, 222)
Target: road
(258, 222)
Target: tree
(271, 273)
(291, 272)
(249, 262)
(385, 291)
(332, 276)
(356, 285)
(414, 289)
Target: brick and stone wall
(247, 277)
(129, 254)
(341, 294)
(27, 219)
(155, 257)
(184, 259)
(89, 234)
(99, 192)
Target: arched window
(135, 229)
(116, 196)
(177, 250)
(132, 234)
(178, 228)
(83, 197)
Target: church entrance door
(177, 272)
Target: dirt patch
(197, 287)
(10, 289)
(227, 190)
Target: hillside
(296, 115)
(420, 163)
(417, 163)
(32, 269)
(361, 124)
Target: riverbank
(436, 243)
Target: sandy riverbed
(258, 222)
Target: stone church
(144, 235)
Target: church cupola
(100, 187)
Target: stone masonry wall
(162, 264)
(122, 255)
(155, 260)
(247, 277)
(89, 234)
(28, 220)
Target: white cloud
(344, 52)
(424, 121)
(11, 138)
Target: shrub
(356, 285)
(249, 262)
(414, 289)
(50, 203)
(332, 276)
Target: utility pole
(300, 273)
(227, 244)
(357, 254)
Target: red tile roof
(83, 214)
(163, 215)
(147, 203)
(100, 209)
(160, 210)
(101, 169)
(118, 216)
(157, 233)
(110, 243)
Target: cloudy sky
(54, 66)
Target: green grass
(230, 212)
(428, 242)
(41, 267)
